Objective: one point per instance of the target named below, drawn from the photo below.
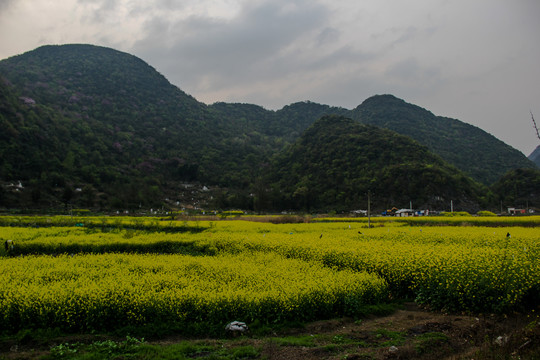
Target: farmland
(87, 274)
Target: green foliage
(470, 149)
(485, 213)
(133, 348)
(455, 213)
(234, 213)
(97, 350)
(390, 338)
(90, 127)
(429, 342)
(307, 341)
(519, 188)
(337, 161)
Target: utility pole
(451, 205)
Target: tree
(535, 127)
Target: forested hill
(474, 151)
(105, 123)
(337, 161)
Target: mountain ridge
(110, 119)
(467, 147)
(337, 161)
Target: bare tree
(535, 127)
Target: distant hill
(477, 153)
(519, 188)
(535, 156)
(94, 127)
(336, 161)
(120, 128)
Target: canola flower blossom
(110, 290)
(270, 272)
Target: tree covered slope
(107, 124)
(474, 151)
(337, 161)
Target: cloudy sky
(477, 61)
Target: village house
(514, 211)
(405, 213)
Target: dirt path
(413, 333)
(410, 333)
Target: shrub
(455, 213)
(485, 213)
(288, 219)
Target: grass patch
(426, 342)
(190, 351)
(390, 338)
(133, 348)
(96, 350)
(307, 341)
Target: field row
(86, 292)
(178, 223)
(275, 272)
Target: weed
(390, 338)
(338, 339)
(99, 349)
(245, 352)
(64, 350)
(307, 341)
(426, 342)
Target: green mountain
(94, 127)
(477, 153)
(337, 161)
(108, 121)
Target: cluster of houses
(410, 212)
(395, 212)
(514, 211)
(404, 212)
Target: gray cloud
(475, 61)
(4, 4)
(241, 49)
(100, 9)
(327, 36)
(410, 72)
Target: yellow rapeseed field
(126, 273)
(111, 290)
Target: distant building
(514, 211)
(405, 213)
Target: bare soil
(409, 333)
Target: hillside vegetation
(94, 127)
(467, 147)
(337, 161)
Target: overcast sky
(477, 61)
